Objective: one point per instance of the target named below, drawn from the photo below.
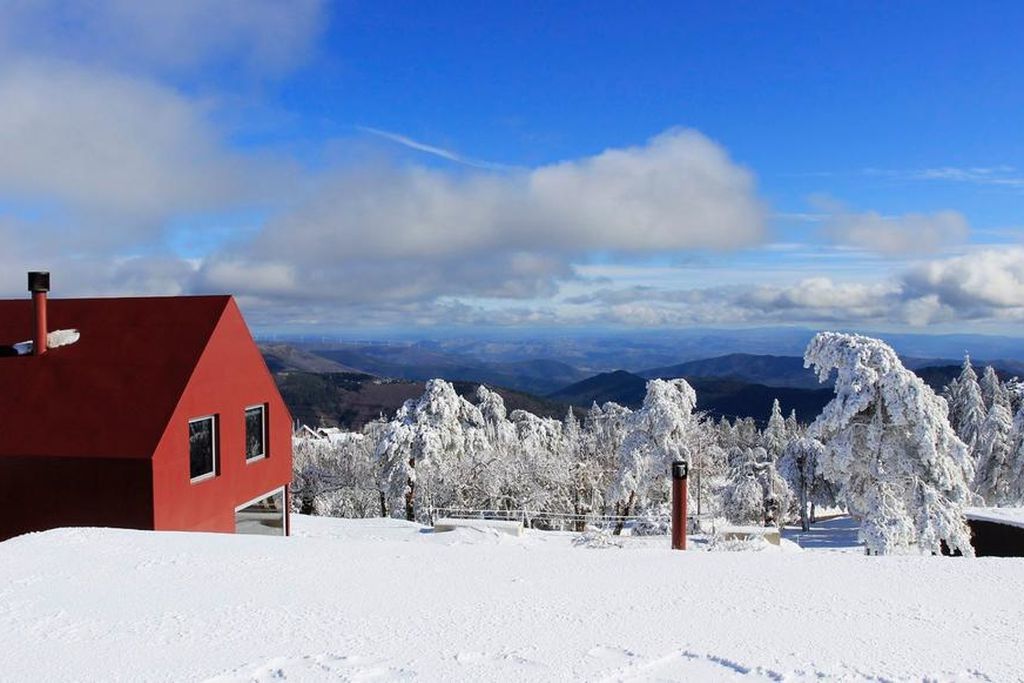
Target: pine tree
(992, 479)
(1015, 461)
(992, 390)
(775, 436)
(966, 406)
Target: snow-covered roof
(1008, 516)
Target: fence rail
(558, 521)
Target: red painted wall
(229, 377)
(44, 493)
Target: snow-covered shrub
(889, 447)
(597, 538)
(752, 543)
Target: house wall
(230, 376)
(44, 493)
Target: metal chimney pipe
(39, 285)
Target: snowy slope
(357, 600)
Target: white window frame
(268, 494)
(216, 450)
(263, 421)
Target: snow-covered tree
(657, 435)
(708, 466)
(743, 494)
(799, 466)
(993, 476)
(753, 492)
(775, 435)
(1015, 465)
(966, 406)
(793, 428)
(421, 450)
(586, 479)
(333, 473)
(889, 446)
(992, 390)
(747, 435)
(604, 431)
(542, 479)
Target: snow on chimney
(39, 285)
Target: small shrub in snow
(597, 538)
(753, 543)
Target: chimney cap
(39, 281)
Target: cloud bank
(415, 233)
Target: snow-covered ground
(383, 599)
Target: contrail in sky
(431, 149)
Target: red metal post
(679, 472)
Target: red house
(161, 415)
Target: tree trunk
(805, 522)
(410, 513)
(410, 493)
(625, 513)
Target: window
(264, 516)
(255, 432)
(202, 448)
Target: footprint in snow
(314, 668)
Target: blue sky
(522, 165)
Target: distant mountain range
(777, 371)
(350, 384)
(538, 375)
(717, 396)
(745, 385)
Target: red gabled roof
(112, 392)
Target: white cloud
(904, 234)
(262, 35)
(385, 232)
(118, 155)
(680, 190)
(978, 284)
(984, 286)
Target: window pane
(255, 435)
(200, 447)
(265, 516)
